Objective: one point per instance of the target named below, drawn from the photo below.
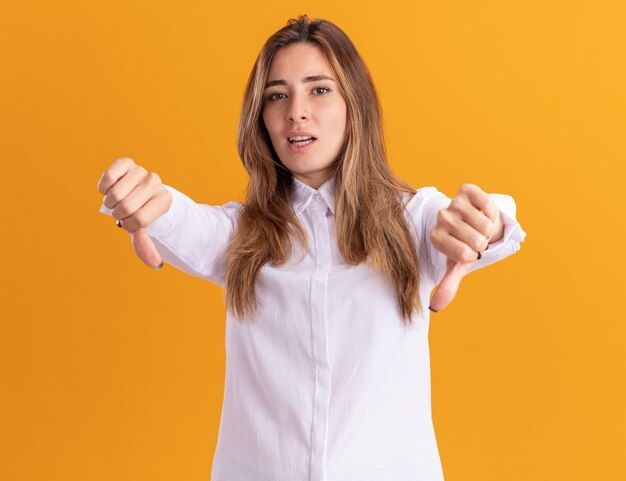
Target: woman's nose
(298, 109)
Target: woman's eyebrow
(310, 78)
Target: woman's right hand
(137, 198)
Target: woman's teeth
(301, 140)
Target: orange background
(113, 371)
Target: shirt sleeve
(423, 209)
(194, 237)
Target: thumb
(446, 290)
(145, 249)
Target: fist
(137, 198)
(464, 229)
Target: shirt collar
(302, 194)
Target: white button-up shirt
(326, 383)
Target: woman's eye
(274, 96)
(322, 88)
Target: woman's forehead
(299, 59)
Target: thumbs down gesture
(463, 231)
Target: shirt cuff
(513, 233)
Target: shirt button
(319, 198)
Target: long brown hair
(370, 222)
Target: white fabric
(326, 384)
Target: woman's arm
(424, 211)
(193, 237)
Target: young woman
(327, 269)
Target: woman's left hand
(464, 230)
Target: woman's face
(302, 100)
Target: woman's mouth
(300, 142)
